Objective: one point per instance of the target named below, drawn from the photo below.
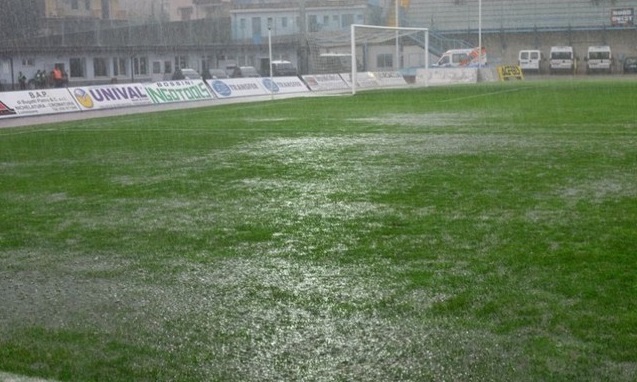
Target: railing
(438, 42)
(512, 15)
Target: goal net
(382, 54)
(370, 54)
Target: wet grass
(468, 233)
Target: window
(313, 23)
(78, 67)
(119, 66)
(335, 19)
(284, 22)
(207, 62)
(181, 62)
(460, 57)
(87, 5)
(100, 67)
(168, 67)
(347, 20)
(75, 4)
(106, 10)
(326, 20)
(384, 61)
(156, 67)
(140, 66)
(256, 27)
(28, 61)
(186, 13)
(561, 55)
(599, 55)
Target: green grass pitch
(466, 233)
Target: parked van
(283, 68)
(456, 58)
(244, 72)
(599, 59)
(279, 68)
(530, 61)
(562, 60)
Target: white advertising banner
(284, 85)
(36, 102)
(323, 82)
(447, 76)
(390, 78)
(237, 87)
(178, 91)
(110, 96)
(363, 80)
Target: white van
(562, 60)
(599, 59)
(455, 58)
(530, 61)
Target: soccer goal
(388, 52)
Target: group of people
(57, 78)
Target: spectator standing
(178, 75)
(22, 80)
(58, 77)
(40, 79)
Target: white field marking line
(98, 127)
(18, 130)
(256, 101)
(483, 95)
(94, 126)
(105, 120)
(138, 131)
(6, 377)
(101, 122)
(29, 131)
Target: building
(23, 18)
(176, 10)
(292, 24)
(99, 41)
(60, 17)
(459, 16)
(508, 26)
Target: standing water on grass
(318, 191)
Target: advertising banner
(178, 91)
(110, 96)
(284, 85)
(36, 102)
(510, 72)
(447, 76)
(390, 78)
(237, 87)
(623, 17)
(322, 82)
(363, 80)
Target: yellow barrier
(507, 72)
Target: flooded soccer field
(469, 233)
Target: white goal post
(389, 37)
